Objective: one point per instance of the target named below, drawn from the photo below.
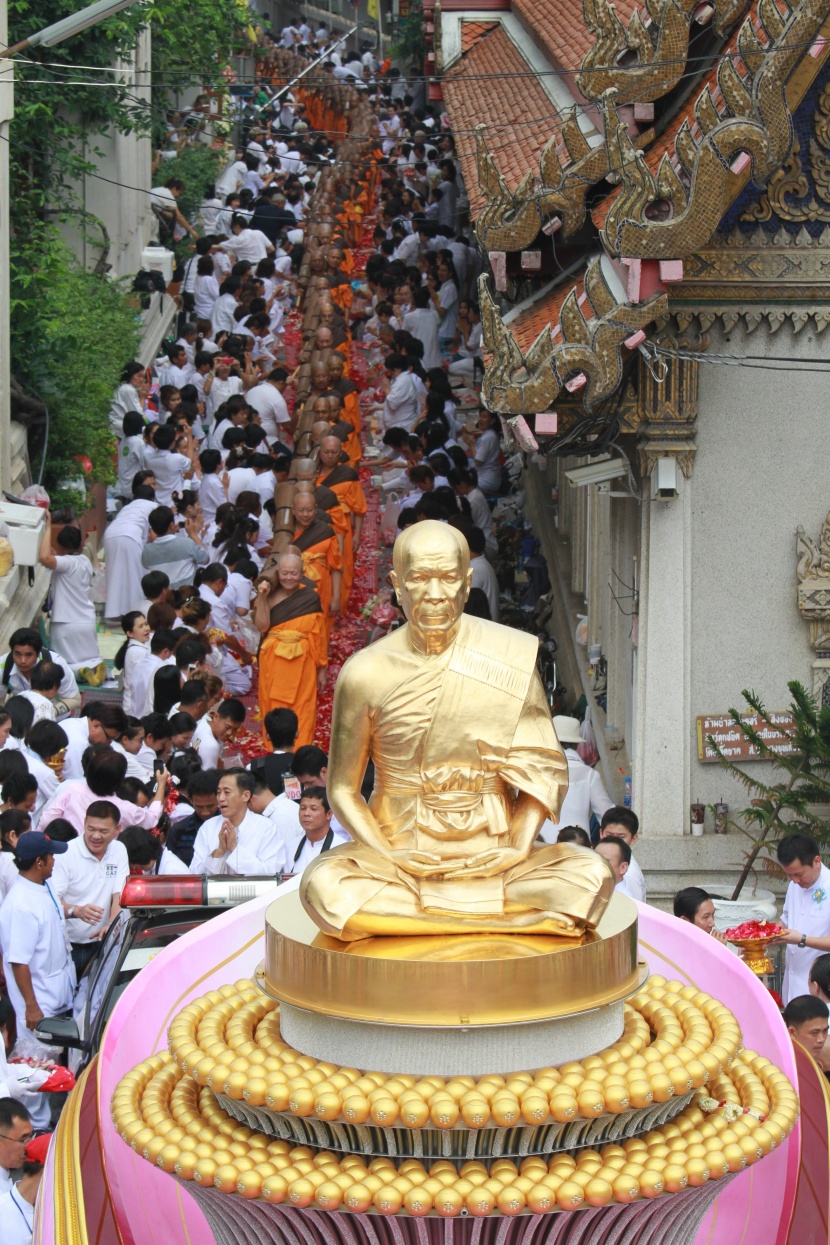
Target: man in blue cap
(40, 974)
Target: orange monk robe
(349, 402)
(340, 289)
(343, 349)
(321, 555)
(290, 655)
(352, 500)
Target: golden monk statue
(467, 767)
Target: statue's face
(432, 581)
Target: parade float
(374, 1056)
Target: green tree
(74, 331)
(800, 782)
(410, 40)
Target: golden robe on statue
(456, 738)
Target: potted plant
(788, 803)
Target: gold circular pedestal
(443, 981)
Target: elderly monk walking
(344, 481)
(317, 541)
(293, 653)
(467, 767)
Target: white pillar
(663, 733)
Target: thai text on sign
(776, 735)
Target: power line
(760, 363)
(712, 59)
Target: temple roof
(646, 172)
(561, 29)
(492, 84)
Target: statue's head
(432, 576)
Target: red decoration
(754, 929)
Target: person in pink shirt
(104, 772)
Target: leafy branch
(786, 805)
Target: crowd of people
(237, 520)
(230, 557)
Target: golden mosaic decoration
(517, 383)
(747, 1108)
(659, 49)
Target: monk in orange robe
(340, 286)
(347, 389)
(344, 481)
(351, 445)
(320, 549)
(293, 654)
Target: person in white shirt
(424, 323)
(586, 796)
(73, 627)
(266, 398)
(101, 724)
(130, 454)
(237, 841)
(88, 881)
(806, 913)
(149, 855)
(46, 681)
(246, 243)
(403, 404)
(283, 810)
(618, 855)
(486, 452)
(176, 371)
(221, 387)
(128, 397)
(317, 834)
(483, 575)
(464, 484)
(124, 539)
(15, 1134)
(205, 288)
(212, 585)
(17, 1206)
(169, 467)
(161, 652)
(622, 823)
(469, 350)
(45, 741)
(164, 200)
(232, 179)
(213, 490)
(215, 729)
(241, 480)
(40, 975)
(129, 745)
(16, 666)
(131, 654)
